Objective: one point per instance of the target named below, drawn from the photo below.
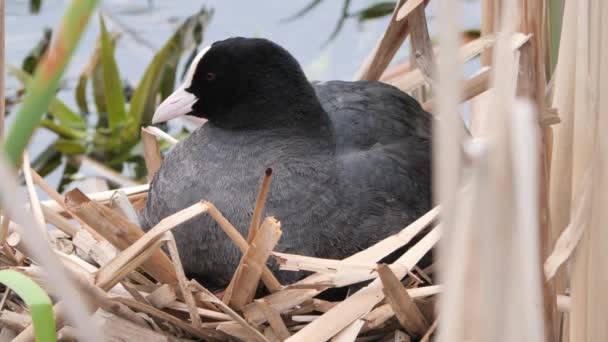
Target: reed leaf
(112, 86)
(57, 108)
(37, 301)
(40, 92)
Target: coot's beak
(177, 104)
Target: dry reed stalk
(44, 254)
(212, 314)
(349, 333)
(572, 234)
(471, 88)
(528, 291)
(271, 282)
(532, 84)
(162, 296)
(252, 332)
(58, 221)
(58, 201)
(204, 333)
(117, 328)
(421, 45)
(408, 8)
(31, 191)
(447, 141)
(427, 335)
(161, 134)
(57, 204)
(122, 203)
(117, 230)
(260, 203)
(254, 261)
(569, 149)
(289, 297)
(488, 25)
(292, 262)
(589, 299)
(391, 41)
(151, 152)
(383, 313)
(403, 305)
(360, 303)
(276, 322)
(4, 227)
(183, 281)
(107, 274)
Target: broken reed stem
(391, 41)
(254, 261)
(260, 203)
(58, 221)
(122, 203)
(407, 8)
(405, 309)
(421, 46)
(472, 87)
(119, 231)
(60, 200)
(107, 273)
(270, 281)
(151, 152)
(183, 281)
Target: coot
(351, 160)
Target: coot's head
(240, 82)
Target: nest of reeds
(138, 292)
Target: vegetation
(109, 130)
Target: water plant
(106, 128)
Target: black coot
(351, 160)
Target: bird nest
(139, 291)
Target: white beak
(179, 103)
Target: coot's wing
(368, 113)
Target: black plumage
(351, 160)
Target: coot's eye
(210, 76)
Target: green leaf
(47, 161)
(35, 6)
(41, 91)
(56, 107)
(377, 10)
(81, 93)
(70, 147)
(98, 91)
(63, 131)
(112, 86)
(303, 11)
(37, 301)
(33, 57)
(143, 100)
